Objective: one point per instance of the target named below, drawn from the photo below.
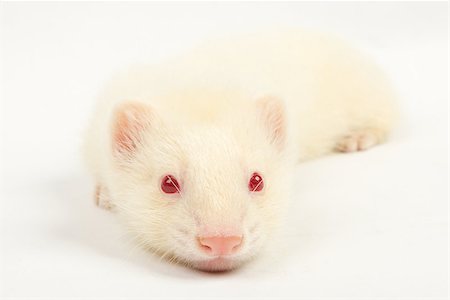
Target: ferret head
(209, 195)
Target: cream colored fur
(215, 116)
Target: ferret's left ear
(272, 113)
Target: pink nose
(220, 245)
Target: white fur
(208, 129)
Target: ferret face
(206, 196)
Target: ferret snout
(220, 245)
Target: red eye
(169, 185)
(256, 183)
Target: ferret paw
(359, 141)
(102, 198)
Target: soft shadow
(87, 225)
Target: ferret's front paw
(359, 141)
(102, 198)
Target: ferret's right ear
(130, 121)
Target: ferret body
(195, 154)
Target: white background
(365, 225)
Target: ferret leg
(102, 198)
(360, 140)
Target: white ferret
(195, 154)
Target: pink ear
(273, 116)
(131, 120)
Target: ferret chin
(216, 265)
(195, 155)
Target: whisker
(173, 183)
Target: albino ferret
(195, 154)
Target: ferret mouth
(216, 264)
